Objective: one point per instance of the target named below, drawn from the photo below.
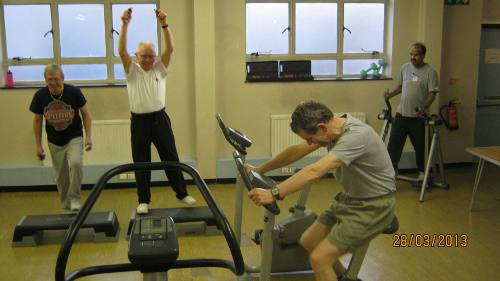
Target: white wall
(460, 59)
(452, 43)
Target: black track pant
(154, 127)
(401, 128)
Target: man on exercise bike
(362, 166)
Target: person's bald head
(146, 54)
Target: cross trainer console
(188, 220)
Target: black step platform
(188, 220)
(29, 230)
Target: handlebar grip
(388, 104)
(273, 208)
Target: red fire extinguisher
(449, 114)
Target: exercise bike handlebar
(241, 142)
(267, 183)
(237, 265)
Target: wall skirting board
(24, 176)
(43, 176)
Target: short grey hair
(143, 44)
(309, 114)
(52, 67)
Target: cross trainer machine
(153, 246)
(279, 241)
(433, 152)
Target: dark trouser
(154, 128)
(401, 128)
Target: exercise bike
(281, 253)
(433, 152)
(279, 241)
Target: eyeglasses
(146, 56)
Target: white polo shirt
(146, 89)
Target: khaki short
(356, 221)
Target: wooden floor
(443, 212)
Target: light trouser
(67, 161)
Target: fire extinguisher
(449, 114)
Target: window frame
(109, 60)
(339, 56)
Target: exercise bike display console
(153, 241)
(237, 139)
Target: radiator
(282, 136)
(111, 143)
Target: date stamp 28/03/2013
(427, 240)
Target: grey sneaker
(421, 176)
(189, 200)
(75, 206)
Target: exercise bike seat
(392, 227)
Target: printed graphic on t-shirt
(59, 114)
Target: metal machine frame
(433, 152)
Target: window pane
(355, 66)
(23, 73)
(85, 72)
(32, 22)
(119, 72)
(77, 39)
(143, 26)
(366, 23)
(265, 23)
(316, 28)
(323, 67)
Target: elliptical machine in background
(433, 152)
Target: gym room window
(80, 36)
(339, 38)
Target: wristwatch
(276, 193)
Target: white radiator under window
(282, 136)
(111, 143)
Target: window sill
(320, 79)
(96, 85)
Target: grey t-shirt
(416, 84)
(368, 170)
